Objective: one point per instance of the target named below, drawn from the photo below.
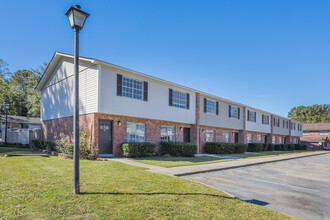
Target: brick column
(289, 137)
(270, 136)
(242, 134)
(195, 130)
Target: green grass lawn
(168, 161)
(38, 187)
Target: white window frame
(167, 133)
(225, 137)
(249, 138)
(305, 132)
(251, 117)
(134, 131)
(132, 88)
(211, 107)
(265, 119)
(234, 111)
(274, 140)
(179, 99)
(209, 135)
(259, 138)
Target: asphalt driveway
(298, 187)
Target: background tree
(18, 90)
(311, 114)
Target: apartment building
(317, 135)
(119, 105)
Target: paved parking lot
(298, 187)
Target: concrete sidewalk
(194, 169)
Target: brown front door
(105, 136)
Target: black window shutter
(255, 116)
(229, 110)
(170, 97)
(205, 104)
(248, 113)
(187, 100)
(145, 91)
(239, 112)
(217, 108)
(119, 84)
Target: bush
(300, 147)
(240, 148)
(64, 145)
(255, 147)
(269, 147)
(178, 149)
(36, 144)
(144, 149)
(224, 148)
(291, 147)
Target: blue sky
(272, 55)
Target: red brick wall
(89, 123)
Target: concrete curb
(246, 165)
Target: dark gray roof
(21, 119)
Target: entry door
(265, 138)
(105, 136)
(186, 134)
(236, 137)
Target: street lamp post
(6, 110)
(77, 20)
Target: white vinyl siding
(57, 97)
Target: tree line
(311, 114)
(17, 90)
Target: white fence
(21, 136)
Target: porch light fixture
(181, 128)
(119, 123)
(77, 20)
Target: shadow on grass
(6, 150)
(156, 193)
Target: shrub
(240, 148)
(178, 149)
(269, 147)
(36, 144)
(300, 147)
(255, 147)
(49, 145)
(291, 147)
(221, 148)
(64, 145)
(144, 149)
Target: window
(306, 133)
(277, 122)
(285, 124)
(210, 136)
(281, 140)
(323, 132)
(210, 106)
(234, 111)
(299, 127)
(252, 116)
(274, 140)
(226, 137)
(265, 119)
(259, 138)
(132, 88)
(293, 126)
(167, 133)
(178, 99)
(249, 138)
(135, 132)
